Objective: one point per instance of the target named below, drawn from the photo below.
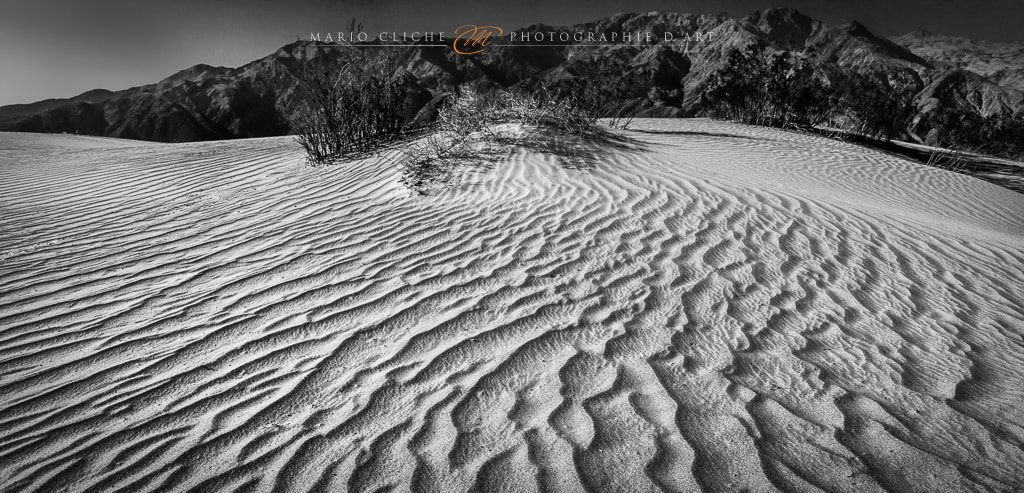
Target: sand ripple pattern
(723, 308)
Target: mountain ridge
(1000, 61)
(258, 99)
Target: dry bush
(761, 87)
(962, 128)
(475, 128)
(433, 160)
(471, 111)
(353, 102)
(876, 104)
(608, 87)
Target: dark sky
(60, 48)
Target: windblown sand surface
(721, 308)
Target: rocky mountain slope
(1002, 62)
(259, 98)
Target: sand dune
(720, 307)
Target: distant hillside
(14, 113)
(198, 103)
(1002, 62)
(259, 98)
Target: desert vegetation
(605, 88)
(475, 128)
(353, 102)
(874, 103)
(783, 89)
(761, 87)
(356, 100)
(1000, 135)
(790, 90)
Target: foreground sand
(721, 308)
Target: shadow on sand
(1005, 173)
(578, 152)
(696, 134)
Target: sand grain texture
(721, 308)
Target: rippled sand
(720, 307)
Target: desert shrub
(761, 87)
(474, 128)
(458, 136)
(783, 89)
(875, 104)
(1003, 135)
(434, 159)
(352, 102)
(963, 129)
(472, 111)
(608, 88)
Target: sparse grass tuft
(955, 160)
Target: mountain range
(260, 98)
